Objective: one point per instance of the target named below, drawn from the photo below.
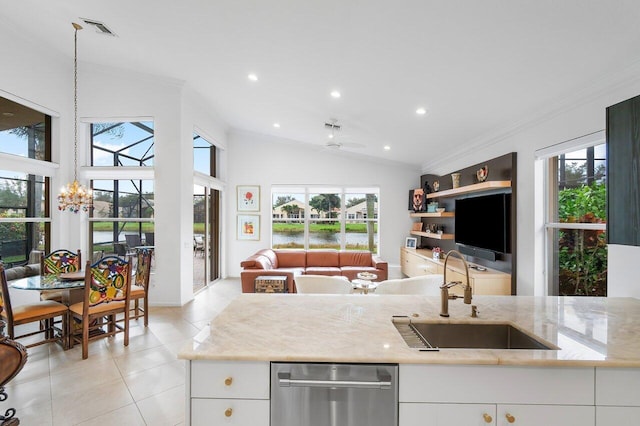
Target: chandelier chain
(75, 104)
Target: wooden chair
(323, 284)
(106, 294)
(58, 262)
(140, 287)
(43, 312)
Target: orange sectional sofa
(292, 263)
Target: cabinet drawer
(618, 386)
(496, 384)
(547, 415)
(239, 412)
(446, 414)
(223, 379)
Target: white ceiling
(480, 67)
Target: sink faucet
(444, 288)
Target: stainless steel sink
(434, 335)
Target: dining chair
(58, 262)
(428, 285)
(140, 286)
(323, 284)
(42, 312)
(106, 294)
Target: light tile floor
(142, 384)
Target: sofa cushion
(355, 258)
(15, 273)
(256, 261)
(323, 258)
(291, 258)
(271, 255)
(322, 270)
(32, 269)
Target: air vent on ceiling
(98, 26)
(332, 125)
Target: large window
(316, 218)
(576, 222)
(123, 207)
(24, 196)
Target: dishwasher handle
(285, 380)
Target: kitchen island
(594, 378)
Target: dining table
(70, 284)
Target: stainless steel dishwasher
(319, 394)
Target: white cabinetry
(495, 395)
(230, 393)
(421, 414)
(617, 396)
(547, 415)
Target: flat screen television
(484, 222)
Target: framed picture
(411, 242)
(249, 227)
(248, 198)
(417, 200)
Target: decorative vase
(455, 179)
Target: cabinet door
(422, 414)
(547, 415)
(237, 412)
(617, 416)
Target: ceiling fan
(335, 141)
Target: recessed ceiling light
(335, 94)
(421, 111)
(331, 136)
(276, 125)
(387, 148)
(252, 77)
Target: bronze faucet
(444, 288)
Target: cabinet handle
(228, 412)
(510, 418)
(487, 418)
(228, 381)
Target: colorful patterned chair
(59, 262)
(43, 312)
(106, 294)
(140, 287)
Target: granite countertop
(358, 328)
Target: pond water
(321, 238)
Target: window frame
(118, 173)
(43, 168)
(308, 217)
(551, 224)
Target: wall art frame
(248, 198)
(248, 227)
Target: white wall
(262, 160)
(570, 118)
(108, 93)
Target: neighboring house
(293, 209)
(359, 211)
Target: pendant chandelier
(73, 196)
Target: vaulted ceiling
(479, 69)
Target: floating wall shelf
(482, 186)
